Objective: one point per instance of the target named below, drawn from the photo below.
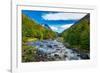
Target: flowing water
(55, 50)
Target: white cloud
(66, 26)
(54, 28)
(61, 27)
(63, 16)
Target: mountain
(31, 29)
(46, 26)
(78, 35)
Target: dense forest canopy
(78, 35)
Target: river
(55, 51)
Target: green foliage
(29, 53)
(31, 29)
(85, 40)
(24, 39)
(78, 35)
(32, 39)
(48, 34)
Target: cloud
(61, 27)
(54, 28)
(66, 26)
(63, 16)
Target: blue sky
(57, 21)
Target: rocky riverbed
(52, 50)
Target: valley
(40, 43)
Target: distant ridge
(46, 26)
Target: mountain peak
(46, 26)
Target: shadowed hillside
(78, 35)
